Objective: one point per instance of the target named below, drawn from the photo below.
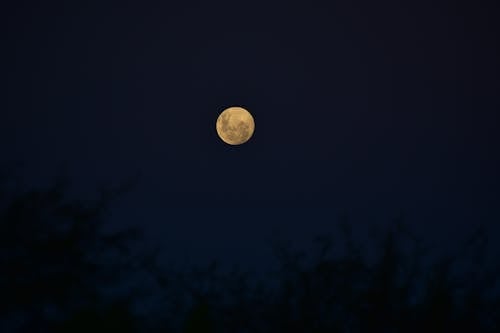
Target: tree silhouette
(56, 262)
(401, 291)
(58, 265)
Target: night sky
(369, 109)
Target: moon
(235, 125)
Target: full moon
(235, 125)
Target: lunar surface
(235, 125)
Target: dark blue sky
(367, 107)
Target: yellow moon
(235, 125)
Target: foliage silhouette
(58, 265)
(56, 261)
(399, 292)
